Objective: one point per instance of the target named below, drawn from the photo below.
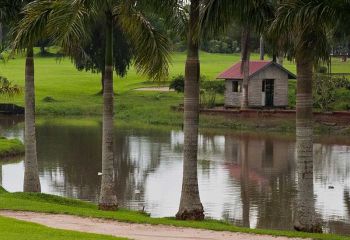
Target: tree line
(132, 31)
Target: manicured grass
(11, 229)
(53, 204)
(10, 148)
(74, 92)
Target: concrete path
(127, 230)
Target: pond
(256, 190)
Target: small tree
(94, 53)
(7, 88)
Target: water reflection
(250, 180)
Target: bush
(216, 86)
(209, 90)
(178, 83)
(325, 89)
(7, 88)
(322, 69)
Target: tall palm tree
(11, 13)
(262, 48)
(191, 207)
(253, 15)
(306, 25)
(67, 23)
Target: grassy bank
(62, 90)
(53, 204)
(10, 148)
(11, 229)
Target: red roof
(235, 71)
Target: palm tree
(68, 23)
(191, 207)
(253, 15)
(306, 25)
(11, 13)
(262, 48)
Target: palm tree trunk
(0, 175)
(280, 59)
(1, 35)
(108, 198)
(262, 48)
(305, 217)
(31, 172)
(245, 183)
(191, 207)
(245, 51)
(102, 81)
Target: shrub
(322, 69)
(325, 89)
(178, 83)
(7, 88)
(209, 90)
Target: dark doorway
(269, 92)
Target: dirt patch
(132, 231)
(155, 89)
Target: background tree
(307, 25)
(68, 24)
(94, 53)
(191, 207)
(253, 16)
(11, 14)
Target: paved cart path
(128, 230)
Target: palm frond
(307, 26)
(64, 22)
(217, 15)
(151, 47)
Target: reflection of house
(267, 87)
(264, 156)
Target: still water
(257, 191)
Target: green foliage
(209, 92)
(325, 90)
(7, 88)
(178, 83)
(94, 51)
(215, 86)
(322, 69)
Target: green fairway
(11, 229)
(10, 148)
(62, 90)
(53, 204)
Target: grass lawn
(53, 204)
(74, 93)
(11, 229)
(10, 148)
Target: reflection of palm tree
(305, 214)
(347, 200)
(245, 182)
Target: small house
(267, 85)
